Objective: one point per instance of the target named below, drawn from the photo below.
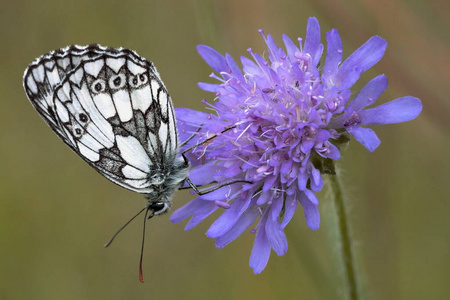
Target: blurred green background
(56, 212)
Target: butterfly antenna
(141, 276)
(121, 228)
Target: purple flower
(288, 118)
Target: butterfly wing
(110, 106)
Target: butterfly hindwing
(110, 106)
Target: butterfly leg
(212, 189)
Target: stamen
(246, 128)
(213, 75)
(300, 40)
(222, 204)
(245, 161)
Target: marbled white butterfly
(111, 107)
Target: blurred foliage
(56, 212)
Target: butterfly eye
(98, 86)
(158, 207)
(83, 118)
(117, 81)
(143, 78)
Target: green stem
(344, 235)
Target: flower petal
(249, 67)
(268, 183)
(235, 70)
(203, 174)
(312, 40)
(244, 222)
(362, 59)
(213, 58)
(197, 208)
(365, 136)
(312, 215)
(290, 47)
(334, 52)
(264, 197)
(316, 179)
(333, 152)
(272, 47)
(316, 58)
(201, 214)
(185, 211)
(261, 248)
(209, 87)
(396, 111)
(311, 196)
(302, 180)
(291, 205)
(192, 116)
(370, 93)
(277, 205)
(227, 219)
(276, 236)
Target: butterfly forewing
(110, 106)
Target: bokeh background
(56, 212)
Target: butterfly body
(111, 107)
(164, 183)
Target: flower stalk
(346, 247)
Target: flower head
(288, 118)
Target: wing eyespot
(138, 80)
(98, 86)
(143, 78)
(77, 132)
(83, 118)
(133, 81)
(117, 81)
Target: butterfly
(111, 107)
